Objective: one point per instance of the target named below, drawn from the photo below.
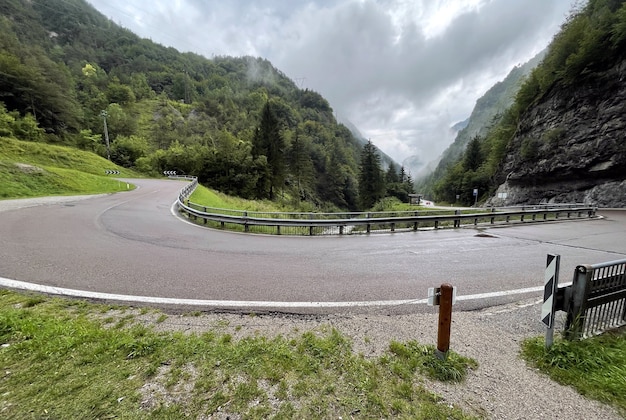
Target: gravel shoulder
(502, 387)
(22, 203)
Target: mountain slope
(569, 145)
(74, 71)
(561, 139)
(486, 113)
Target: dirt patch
(29, 169)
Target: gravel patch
(502, 387)
(6, 205)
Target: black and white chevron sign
(112, 172)
(550, 287)
(169, 173)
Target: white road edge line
(21, 285)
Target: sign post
(550, 287)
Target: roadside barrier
(596, 300)
(311, 224)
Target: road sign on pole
(550, 286)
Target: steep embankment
(570, 146)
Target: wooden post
(445, 321)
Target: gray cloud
(403, 71)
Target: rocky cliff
(570, 146)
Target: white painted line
(21, 285)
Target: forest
(70, 76)
(592, 39)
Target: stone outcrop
(570, 146)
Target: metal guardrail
(365, 222)
(596, 300)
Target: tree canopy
(237, 123)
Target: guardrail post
(576, 309)
(445, 321)
(341, 229)
(457, 222)
(368, 226)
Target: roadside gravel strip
(39, 201)
(502, 387)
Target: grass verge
(210, 198)
(30, 169)
(595, 367)
(68, 359)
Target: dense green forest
(592, 39)
(68, 75)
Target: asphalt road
(132, 244)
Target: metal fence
(311, 224)
(596, 300)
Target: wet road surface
(130, 243)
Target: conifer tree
(268, 142)
(371, 182)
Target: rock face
(570, 146)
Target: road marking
(21, 285)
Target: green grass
(211, 198)
(29, 169)
(595, 367)
(67, 359)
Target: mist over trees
(592, 39)
(237, 123)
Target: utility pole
(104, 115)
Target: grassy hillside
(37, 169)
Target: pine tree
(300, 164)
(392, 174)
(371, 183)
(268, 142)
(473, 155)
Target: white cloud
(403, 71)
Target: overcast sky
(402, 71)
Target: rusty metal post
(445, 321)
